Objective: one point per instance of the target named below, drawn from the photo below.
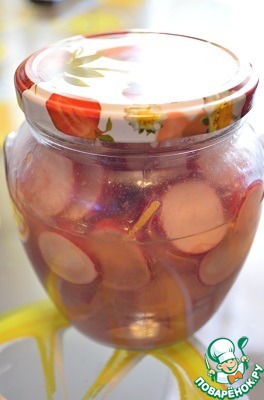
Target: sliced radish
(161, 310)
(122, 262)
(65, 259)
(157, 315)
(249, 213)
(169, 259)
(196, 291)
(163, 296)
(75, 299)
(230, 255)
(46, 181)
(226, 175)
(122, 195)
(89, 182)
(192, 216)
(204, 299)
(218, 264)
(181, 263)
(126, 185)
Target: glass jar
(136, 199)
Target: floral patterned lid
(131, 87)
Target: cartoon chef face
(222, 351)
(229, 366)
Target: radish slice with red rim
(65, 259)
(192, 216)
(122, 262)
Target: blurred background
(26, 26)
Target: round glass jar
(136, 184)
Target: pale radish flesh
(192, 213)
(65, 259)
(122, 262)
(46, 182)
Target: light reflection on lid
(135, 87)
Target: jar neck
(173, 146)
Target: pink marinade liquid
(133, 292)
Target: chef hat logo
(221, 350)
